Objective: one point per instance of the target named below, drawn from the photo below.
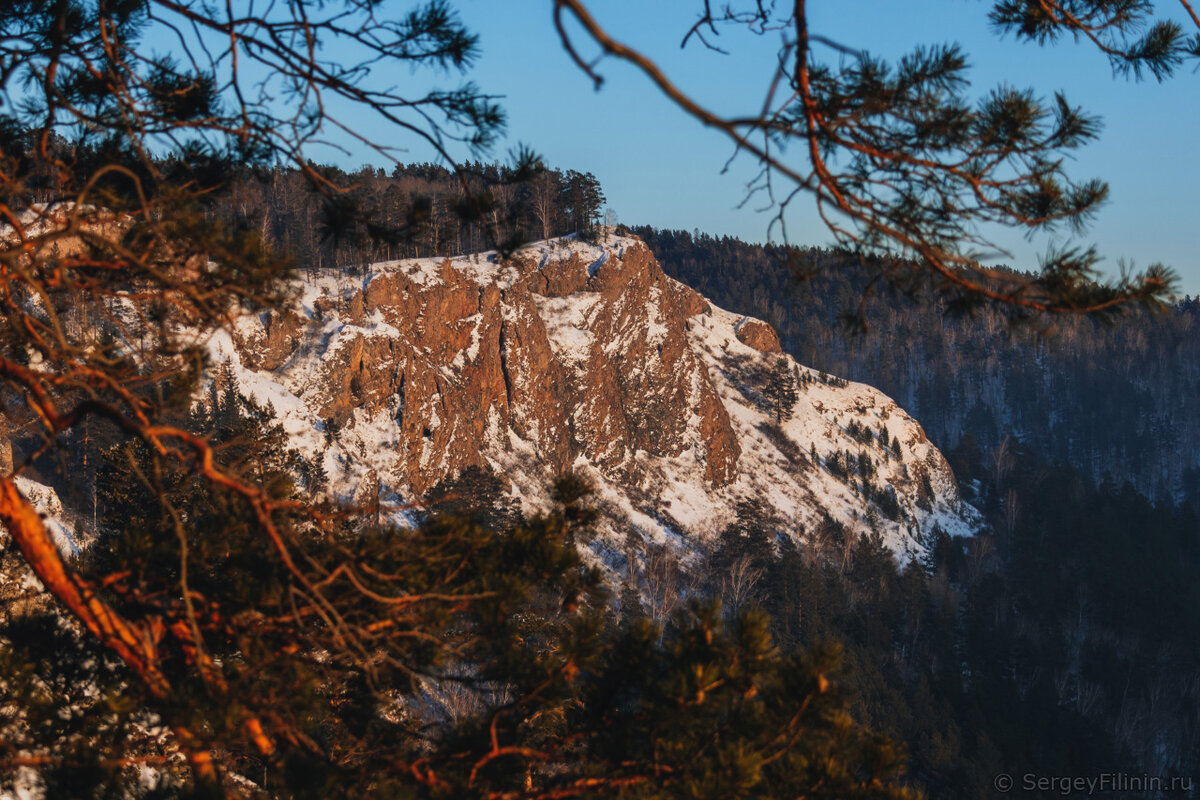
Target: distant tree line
(1057, 644)
(413, 211)
(1062, 641)
(323, 216)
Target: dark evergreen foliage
(524, 680)
(1050, 644)
(233, 637)
(780, 390)
(907, 162)
(1062, 644)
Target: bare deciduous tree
(544, 193)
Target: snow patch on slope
(784, 466)
(58, 522)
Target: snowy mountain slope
(584, 356)
(59, 521)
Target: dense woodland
(1065, 640)
(1043, 646)
(1062, 642)
(325, 217)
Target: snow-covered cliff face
(585, 357)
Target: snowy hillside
(584, 356)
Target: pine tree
(301, 649)
(780, 389)
(908, 160)
(582, 200)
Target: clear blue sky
(660, 167)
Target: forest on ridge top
(1075, 436)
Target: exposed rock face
(634, 384)
(758, 334)
(271, 345)
(571, 356)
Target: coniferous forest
(1023, 649)
(190, 610)
(1077, 438)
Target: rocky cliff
(587, 357)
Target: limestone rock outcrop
(575, 356)
(757, 334)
